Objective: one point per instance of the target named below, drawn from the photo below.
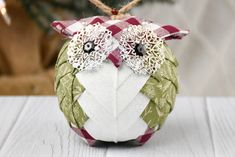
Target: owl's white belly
(113, 103)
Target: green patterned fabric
(161, 88)
(68, 89)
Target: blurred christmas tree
(46, 11)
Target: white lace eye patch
(141, 49)
(89, 47)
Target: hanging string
(129, 6)
(114, 13)
(106, 9)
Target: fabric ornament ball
(116, 80)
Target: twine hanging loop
(113, 12)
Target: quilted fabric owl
(116, 80)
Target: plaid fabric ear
(62, 27)
(169, 32)
(69, 28)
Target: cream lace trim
(100, 37)
(153, 57)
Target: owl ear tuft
(169, 32)
(66, 28)
(69, 28)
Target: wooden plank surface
(198, 127)
(10, 108)
(222, 120)
(185, 133)
(42, 131)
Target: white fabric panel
(124, 73)
(99, 132)
(128, 116)
(134, 131)
(100, 84)
(101, 123)
(113, 103)
(129, 89)
(95, 111)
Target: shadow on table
(174, 132)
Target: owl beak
(115, 57)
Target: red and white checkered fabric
(84, 135)
(166, 32)
(91, 141)
(70, 28)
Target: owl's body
(115, 98)
(113, 103)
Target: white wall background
(207, 55)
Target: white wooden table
(35, 127)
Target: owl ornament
(116, 79)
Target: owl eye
(141, 49)
(89, 47)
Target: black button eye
(88, 47)
(140, 49)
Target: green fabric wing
(68, 89)
(161, 88)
